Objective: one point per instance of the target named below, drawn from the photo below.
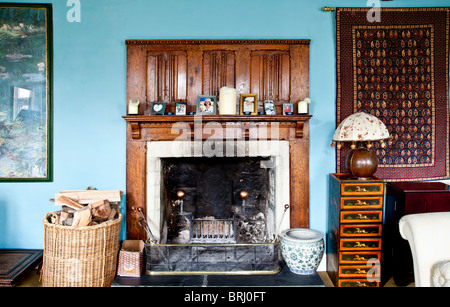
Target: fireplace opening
(222, 200)
(216, 215)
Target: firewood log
(112, 214)
(115, 209)
(100, 209)
(67, 222)
(66, 201)
(64, 216)
(82, 217)
(85, 197)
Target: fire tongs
(143, 223)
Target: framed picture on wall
(206, 105)
(249, 104)
(26, 92)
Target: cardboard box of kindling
(131, 258)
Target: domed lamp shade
(361, 127)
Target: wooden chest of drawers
(354, 231)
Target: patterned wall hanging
(397, 70)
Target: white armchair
(428, 235)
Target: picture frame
(269, 107)
(180, 108)
(206, 105)
(158, 108)
(249, 104)
(288, 108)
(26, 102)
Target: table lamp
(361, 128)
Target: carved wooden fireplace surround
(171, 70)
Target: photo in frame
(269, 107)
(180, 108)
(249, 104)
(288, 108)
(26, 91)
(158, 108)
(206, 105)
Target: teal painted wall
(90, 90)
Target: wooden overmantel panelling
(171, 70)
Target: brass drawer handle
(360, 203)
(359, 258)
(360, 271)
(355, 230)
(359, 244)
(359, 230)
(359, 189)
(362, 284)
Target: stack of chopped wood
(85, 207)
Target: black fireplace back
(212, 188)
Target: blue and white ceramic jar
(302, 249)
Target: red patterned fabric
(397, 70)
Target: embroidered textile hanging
(397, 70)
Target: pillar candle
(133, 107)
(303, 106)
(227, 101)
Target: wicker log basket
(80, 256)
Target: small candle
(133, 107)
(227, 101)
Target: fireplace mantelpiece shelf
(167, 121)
(218, 118)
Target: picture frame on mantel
(206, 105)
(26, 103)
(249, 104)
(158, 108)
(288, 108)
(269, 107)
(180, 108)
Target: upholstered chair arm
(428, 235)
